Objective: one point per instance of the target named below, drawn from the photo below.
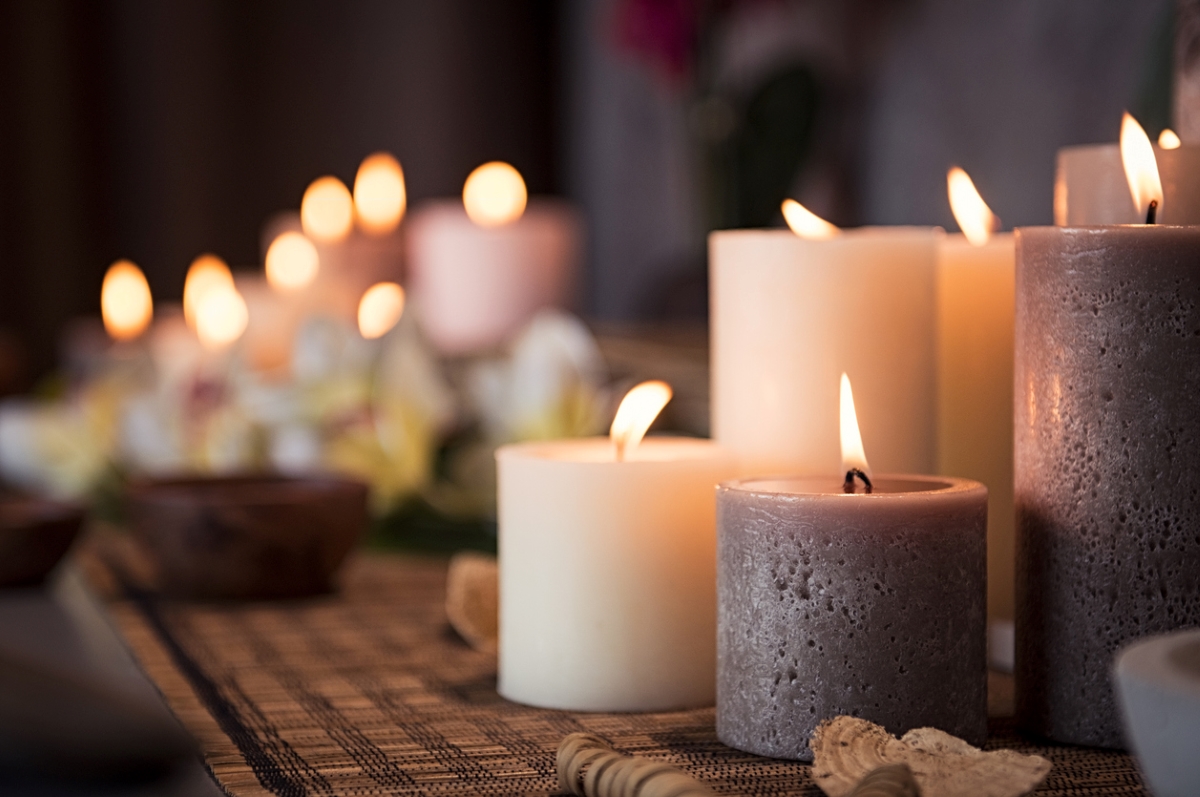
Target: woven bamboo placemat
(368, 692)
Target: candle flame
(327, 211)
(853, 456)
(637, 411)
(974, 217)
(380, 309)
(206, 272)
(494, 194)
(292, 262)
(221, 316)
(807, 224)
(379, 195)
(1168, 140)
(125, 302)
(1141, 170)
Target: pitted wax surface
(1107, 464)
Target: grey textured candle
(1107, 481)
(868, 605)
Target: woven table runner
(368, 692)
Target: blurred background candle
(1090, 186)
(125, 302)
(482, 268)
(832, 603)
(607, 568)
(357, 238)
(791, 313)
(975, 366)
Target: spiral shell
(846, 748)
(589, 767)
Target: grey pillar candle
(868, 605)
(1107, 481)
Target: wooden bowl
(34, 535)
(247, 537)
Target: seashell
(472, 599)
(589, 767)
(889, 780)
(847, 748)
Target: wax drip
(589, 767)
(1152, 211)
(848, 485)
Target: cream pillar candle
(1090, 186)
(975, 373)
(608, 574)
(789, 315)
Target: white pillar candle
(608, 574)
(975, 404)
(789, 315)
(473, 286)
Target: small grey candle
(1107, 460)
(867, 605)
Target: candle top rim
(849, 236)
(600, 451)
(887, 486)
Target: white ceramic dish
(1158, 686)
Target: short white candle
(790, 315)
(608, 574)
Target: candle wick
(619, 443)
(1152, 211)
(848, 485)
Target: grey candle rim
(953, 485)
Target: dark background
(159, 130)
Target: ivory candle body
(869, 605)
(1090, 186)
(790, 315)
(1107, 474)
(975, 411)
(608, 575)
(474, 287)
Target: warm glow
(1141, 170)
(379, 309)
(807, 224)
(379, 196)
(327, 211)
(853, 455)
(1168, 140)
(205, 273)
(292, 262)
(637, 411)
(221, 316)
(125, 301)
(974, 217)
(494, 194)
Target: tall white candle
(976, 275)
(789, 315)
(608, 573)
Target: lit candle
(607, 568)
(1091, 187)
(380, 309)
(863, 595)
(792, 311)
(340, 243)
(482, 268)
(975, 366)
(1107, 481)
(125, 301)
